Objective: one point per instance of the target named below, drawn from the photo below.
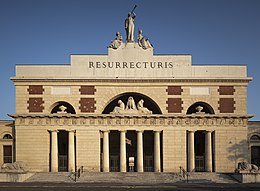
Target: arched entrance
(63, 108)
(201, 142)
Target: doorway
(255, 155)
(199, 151)
(63, 151)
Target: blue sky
(48, 31)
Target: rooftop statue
(143, 41)
(116, 43)
(129, 26)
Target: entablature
(130, 120)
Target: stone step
(131, 178)
(51, 177)
(210, 177)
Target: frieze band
(130, 121)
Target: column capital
(51, 130)
(105, 131)
(208, 131)
(141, 131)
(71, 130)
(157, 131)
(191, 131)
(122, 131)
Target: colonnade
(140, 152)
(140, 162)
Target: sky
(48, 31)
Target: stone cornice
(128, 120)
(120, 80)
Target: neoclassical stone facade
(131, 110)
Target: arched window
(7, 136)
(204, 108)
(63, 107)
(254, 138)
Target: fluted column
(140, 160)
(71, 151)
(208, 152)
(191, 153)
(122, 151)
(54, 150)
(157, 158)
(106, 151)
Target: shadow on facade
(237, 152)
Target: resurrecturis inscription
(130, 64)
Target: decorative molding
(112, 120)
(119, 80)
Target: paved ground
(124, 187)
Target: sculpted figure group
(247, 167)
(131, 107)
(142, 41)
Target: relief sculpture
(131, 107)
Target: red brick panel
(226, 105)
(87, 90)
(35, 105)
(174, 105)
(35, 89)
(87, 105)
(174, 90)
(226, 90)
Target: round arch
(255, 138)
(55, 108)
(148, 102)
(7, 136)
(207, 109)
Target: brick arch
(55, 107)
(148, 102)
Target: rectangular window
(8, 154)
